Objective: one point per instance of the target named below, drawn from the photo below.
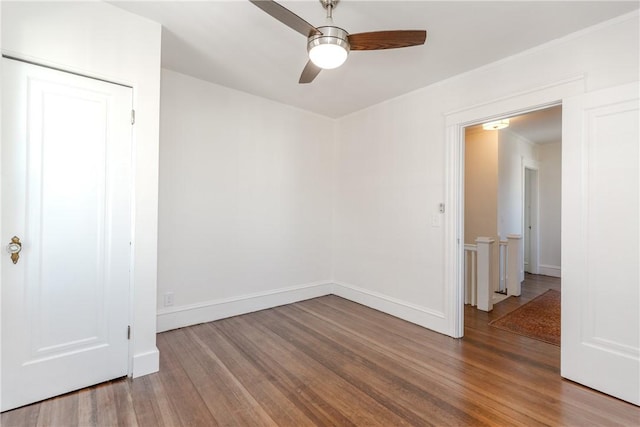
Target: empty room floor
(329, 361)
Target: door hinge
(133, 117)
(129, 332)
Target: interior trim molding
(193, 314)
(527, 100)
(541, 96)
(422, 316)
(208, 311)
(549, 270)
(146, 363)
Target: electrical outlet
(168, 299)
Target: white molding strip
(146, 363)
(208, 311)
(538, 97)
(422, 316)
(549, 270)
(193, 314)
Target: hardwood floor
(328, 361)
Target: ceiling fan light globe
(330, 48)
(328, 56)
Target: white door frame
(456, 122)
(534, 244)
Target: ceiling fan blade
(376, 40)
(287, 17)
(309, 73)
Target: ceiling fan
(328, 46)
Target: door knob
(14, 249)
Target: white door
(601, 241)
(66, 172)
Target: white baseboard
(549, 270)
(421, 316)
(178, 317)
(146, 363)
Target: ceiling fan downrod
(329, 5)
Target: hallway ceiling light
(497, 125)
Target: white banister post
(514, 260)
(484, 266)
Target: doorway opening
(512, 209)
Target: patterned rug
(538, 319)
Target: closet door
(66, 219)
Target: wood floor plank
(397, 393)
(87, 409)
(152, 402)
(186, 401)
(329, 361)
(24, 416)
(307, 387)
(441, 380)
(106, 409)
(125, 413)
(419, 365)
(225, 397)
(263, 387)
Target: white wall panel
(245, 196)
(550, 176)
(391, 157)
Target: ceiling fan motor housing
(330, 36)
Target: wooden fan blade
(376, 40)
(309, 73)
(287, 17)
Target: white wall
(513, 153)
(481, 175)
(245, 202)
(1, 74)
(391, 167)
(388, 247)
(513, 150)
(100, 40)
(550, 186)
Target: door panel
(66, 163)
(601, 229)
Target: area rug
(538, 319)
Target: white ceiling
(235, 44)
(539, 127)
